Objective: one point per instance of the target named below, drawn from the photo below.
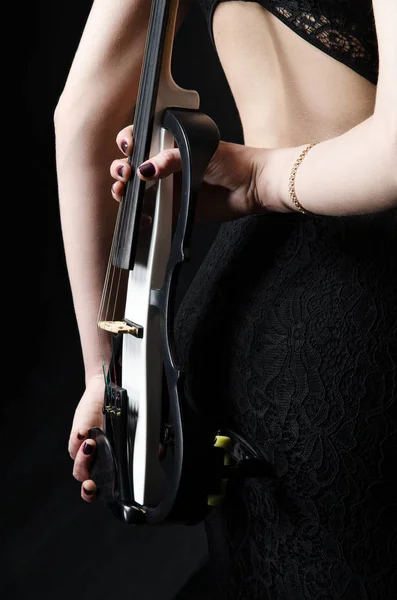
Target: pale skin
(288, 94)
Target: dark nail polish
(80, 437)
(88, 492)
(120, 171)
(147, 170)
(124, 146)
(88, 448)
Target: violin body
(156, 461)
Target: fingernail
(87, 448)
(124, 146)
(120, 171)
(88, 492)
(80, 436)
(147, 170)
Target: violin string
(106, 296)
(109, 276)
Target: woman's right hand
(230, 184)
(82, 448)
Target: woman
(302, 357)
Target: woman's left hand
(230, 187)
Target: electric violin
(144, 405)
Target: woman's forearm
(354, 173)
(97, 102)
(87, 217)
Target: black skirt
(288, 334)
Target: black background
(53, 544)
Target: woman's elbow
(392, 138)
(65, 114)
(58, 115)
(384, 140)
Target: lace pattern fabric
(341, 28)
(289, 335)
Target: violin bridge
(121, 327)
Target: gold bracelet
(291, 183)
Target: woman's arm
(96, 103)
(355, 172)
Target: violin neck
(157, 60)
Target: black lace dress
(288, 334)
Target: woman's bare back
(287, 91)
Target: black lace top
(344, 29)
